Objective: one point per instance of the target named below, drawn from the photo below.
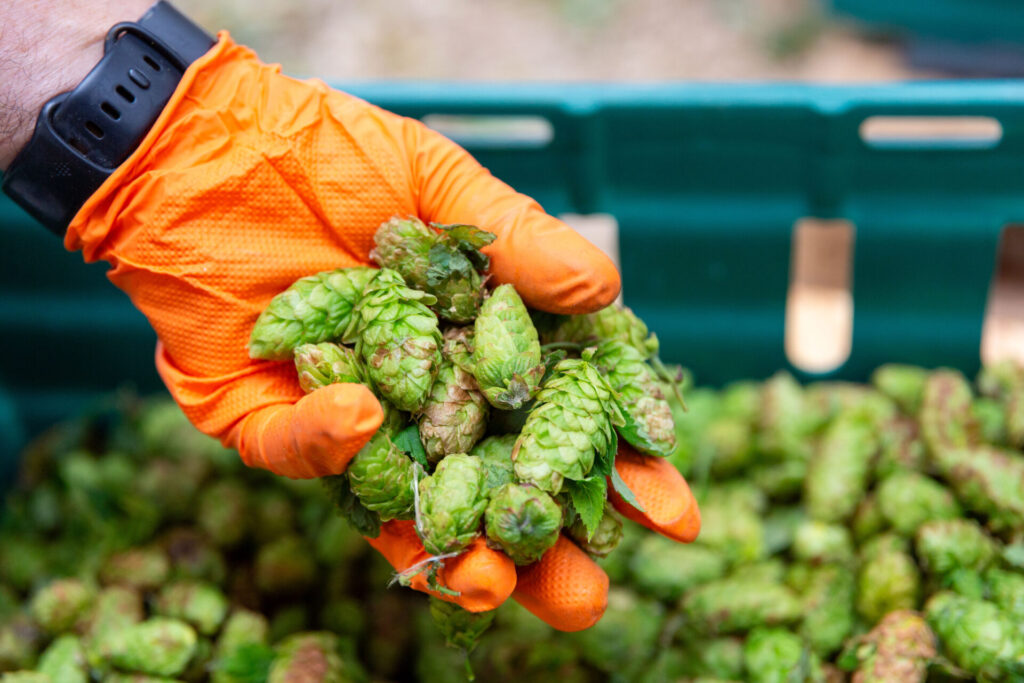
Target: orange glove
(250, 180)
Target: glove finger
(314, 437)
(484, 578)
(551, 265)
(668, 504)
(565, 588)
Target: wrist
(47, 47)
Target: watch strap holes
(110, 110)
(125, 93)
(152, 62)
(96, 131)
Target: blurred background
(626, 40)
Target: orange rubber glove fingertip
(668, 503)
(565, 588)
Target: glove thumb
(314, 437)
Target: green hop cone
(738, 533)
(898, 648)
(867, 519)
(19, 642)
(59, 605)
(774, 655)
(325, 363)
(1004, 381)
(612, 322)
(25, 677)
(819, 543)
(461, 628)
(947, 545)
(445, 264)
(712, 658)
(224, 512)
(64, 661)
(976, 635)
(570, 423)
(506, 354)
(200, 604)
(606, 536)
(522, 521)
(907, 500)
(116, 608)
(900, 448)
(887, 581)
(398, 338)
(649, 425)
(314, 309)
(736, 604)
(382, 477)
(158, 646)
(828, 600)
(946, 419)
(138, 567)
(241, 628)
(454, 416)
(1006, 589)
(452, 502)
(837, 478)
(495, 452)
(902, 383)
(988, 481)
(665, 569)
(309, 656)
(626, 636)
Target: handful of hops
(452, 362)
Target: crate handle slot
(931, 132)
(494, 131)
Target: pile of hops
(486, 430)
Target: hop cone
(523, 521)
(887, 581)
(944, 546)
(443, 264)
(612, 322)
(58, 606)
(452, 501)
(900, 448)
(606, 536)
(899, 648)
(1006, 589)
(908, 499)
(945, 418)
(902, 383)
(64, 661)
(838, 477)
(828, 595)
(665, 569)
(506, 355)
(397, 337)
(737, 604)
(200, 604)
(570, 423)
(649, 424)
(818, 543)
(976, 635)
(138, 567)
(325, 363)
(1005, 381)
(310, 656)
(242, 628)
(285, 566)
(158, 646)
(461, 629)
(495, 452)
(314, 309)
(116, 608)
(988, 481)
(454, 416)
(625, 637)
(775, 655)
(382, 478)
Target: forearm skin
(46, 48)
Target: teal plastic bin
(706, 183)
(968, 21)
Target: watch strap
(82, 136)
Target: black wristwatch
(82, 136)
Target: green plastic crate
(706, 183)
(969, 21)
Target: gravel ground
(554, 40)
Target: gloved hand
(250, 180)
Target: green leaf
(363, 520)
(408, 441)
(623, 490)
(466, 237)
(588, 496)
(604, 463)
(447, 263)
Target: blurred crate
(969, 21)
(706, 183)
